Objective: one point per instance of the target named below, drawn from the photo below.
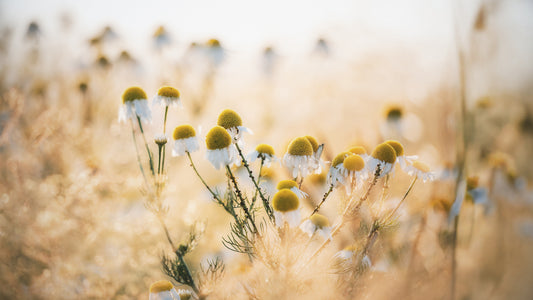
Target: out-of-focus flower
(161, 37)
(336, 173)
(264, 152)
(293, 186)
(286, 208)
(393, 125)
(317, 152)
(220, 150)
(163, 290)
(167, 96)
(185, 140)
(354, 172)
(299, 157)
(134, 104)
(420, 170)
(317, 223)
(232, 122)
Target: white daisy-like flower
(265, 152)
(163, 290)
(403, 160)
(185, 140)
(347, 253)
(185, 294)
(317, 152)
(214, 52)
(420, 170)
(221, 151)
(317, 223)
(299, 158)
(293, 186)
(232, 122)
(134, 105)
(286, 208)
(354, 172)
(336, 173)
(384, 157)
(167, 96)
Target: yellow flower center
(354, 163)
(398, 147)
(313, 142)
(169, 92)
(319, 221)
(133, 93)
(229, 119)
(300, 146)
(421, 166)
(286, 184)
(358, 150)
(183, 132)
(213, 43)
(339, 159)
(285, 200)
(161, 286)
(385, 153)
(265, 149)
(217, 138)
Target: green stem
(266, 205)
(323, 199)
(258, 181)
(138, 155)
(147, 148)
(215, 196)
(242, 203)
(165, 120)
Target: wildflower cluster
(252, 228)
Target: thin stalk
(347, 211)
(401, 201)
(317, 208)
(159, 159)
(147, 148)
(165, 120)
(266, 205)
(163, 160)
(240, 196)
(215, 196)
(258, 182)
(138, 155)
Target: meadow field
(324, 151)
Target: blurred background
(72, 220)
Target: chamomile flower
(384, 158)
(185, 294)
(393, 125)
(420, 170)
(134, 105)
(163, 290)
(167, 96)
(185, 140)
(214, 51)
(286, 208)
(293, 186)
(347, 253)
(336, 173)
(299, 157)
(161, 139)
(220, 150)
(232, 122)
(317, 152)
(353, 169)
(317, 223)
(403, 160)
(264, 152)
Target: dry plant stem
(348, 211)
(317, 208)
(258, 182)
(384, 191)
(146, 145)
(242, 203)
(177, 252)
(266, 205)
(402, 200)
(138, 156)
